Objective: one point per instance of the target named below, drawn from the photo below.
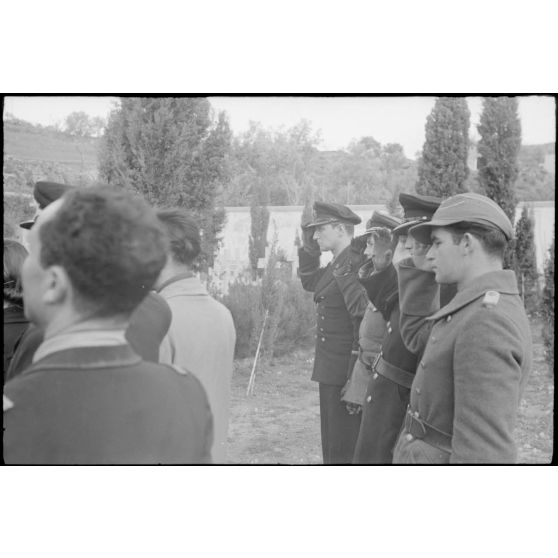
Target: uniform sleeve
(353, 293)
(487, 371)
(418, 298)
(309, 270)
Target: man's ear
(58, 286)
(467, 242)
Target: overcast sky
(339, 119)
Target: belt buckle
(416, 420)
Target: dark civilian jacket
(15, 324)
(340, 304)
(103, 405)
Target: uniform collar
(82, 358)
(502, 281)
(80, 337)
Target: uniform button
(389, 329)
(323, 317)
(416, 414)
(448, 319)
(375, 375)
(409, 437)
(422, 363)
(368, 399)
(433, 339)
(417, 390)
(388, 324)
(323, 339)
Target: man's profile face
(401, 251)
(445, 257)
(327, 236)
(378, 252)
(34, 277)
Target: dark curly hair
(14, 255)
(183, 234)
(110, 243)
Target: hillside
(32, 153)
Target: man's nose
(430, 253)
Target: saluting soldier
(373, 326)
(477, 348)
(392, 372)
(340, 304)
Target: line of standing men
(397, 383)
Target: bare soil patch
(280, 422)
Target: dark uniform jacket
(382, 289)
(148, 326)
(387, 393)
(102, 405)
(340, 303)
(476, 361)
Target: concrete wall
(285, 221)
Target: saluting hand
(309, 243)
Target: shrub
(290, 321)
(547, 307)
(16, 210)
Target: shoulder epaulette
(491, 298)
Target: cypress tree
(527, 276)
(172, 152)
(443, 166)
(498, 148)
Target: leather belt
(420, 429)
(393, 373)
(369, 367)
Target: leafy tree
(527, 275)
(171, 151)
(547, 306)
(498, 147)
(275, 161)
(79, 124)
(443, 168)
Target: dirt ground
(280, 422)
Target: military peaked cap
(45, 193)
(382, 220)
(468, 208)
(325, 213)
(416, 209)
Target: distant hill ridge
(33, 152)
